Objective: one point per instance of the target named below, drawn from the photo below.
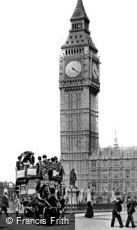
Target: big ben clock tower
(79, 87)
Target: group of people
(26, 159)
(117, 208)
(49, 200)
(50, 166)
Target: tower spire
(79, 12)
(115, 140)
(79, 33)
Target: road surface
(100, 221)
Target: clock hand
(75, 70)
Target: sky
(31, 35)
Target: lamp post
(71, 197)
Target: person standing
(17, 205)
(39, 167)
(4, 204)
(32, 160)
(19, 164)
(130, 211)
(117, 208)
(61, 172)
(89, 213)
(44, 160)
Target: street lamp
(71, 197)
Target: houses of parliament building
(79, 83)
(114, 169)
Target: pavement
(100, 221)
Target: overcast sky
(31, 34)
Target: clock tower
(79, 87)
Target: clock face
(73, 69)
(95, 71)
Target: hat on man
(44, 156)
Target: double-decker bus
(30, 178)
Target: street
(100, 221)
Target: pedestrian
(89, 213)
(130, 211)
(4, 204)
(117, 208)
(17, 205)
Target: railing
(20, 174)
(26, 172)
(83, 207)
